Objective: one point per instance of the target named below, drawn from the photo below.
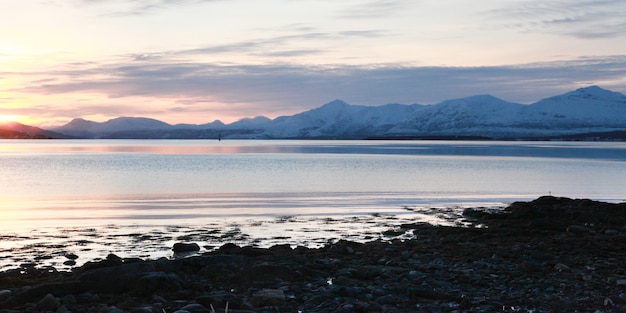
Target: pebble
(268, 297)
(194, 307)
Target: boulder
(181, 247)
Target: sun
(7, 118)
(4, 119)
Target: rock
(422, 292)
(87, 297)
(114, 309)
(48, 303)
(346, 307)
(63, 309)
(531, 266)
(621, 282)
(561, 267)
(181, 247)
(69, 263)
(577, 229)
(386, 299)
(268, 297)
(221, 299)
(69, 300)
(71, 256)
(195, 308)
(114, 258)
(152, 282)
(5, 294)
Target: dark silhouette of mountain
(15, 130)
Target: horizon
(8, 119)
(197, 61)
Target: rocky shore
(548, 255)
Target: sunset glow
(7, 118)
(196, 61)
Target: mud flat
(547, 255)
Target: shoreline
(550, 254)
(48, 247)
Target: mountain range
(585, 113)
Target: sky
(196, 61)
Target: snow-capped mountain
(586, 110)
(586, 107)
(466, 116)
(338, 119)
(259, 122)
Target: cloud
(583, 19)
(374, 9)
(272, 89)
(135, 7)
(280, 44)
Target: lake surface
(68, 184)
(131, 181)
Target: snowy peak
(251, 123)
(459, 115)
(583, 107)
(478, 100)
(331, 109)
(338, 119)
(334, 105)
(587, 96)
(596, 93)
(478, 106)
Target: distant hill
(15, 130)
(583, 113)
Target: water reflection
(614, 151)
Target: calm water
(138, 181)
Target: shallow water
(137, 197)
